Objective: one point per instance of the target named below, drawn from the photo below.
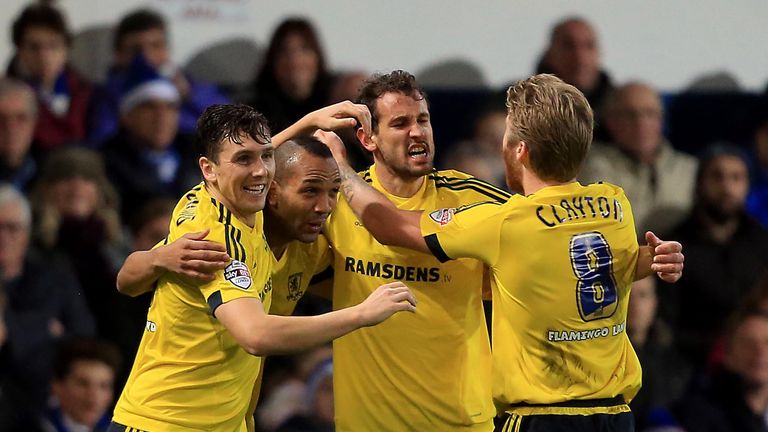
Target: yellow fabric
(428, 371)
(292, 273)
(556, 336)
(190, 374)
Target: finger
(199, 235)
(667, 268)
(341, 123)
(651, 238)
(365, 119)
(404, 296)
(668, 247)
(203, 266)
(207, 245)
(669, 258)
(412, 299)
(397, 284)
(405, 307)
(398, 290)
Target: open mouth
(417, 152)
(255, 189)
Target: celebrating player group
(406, 252)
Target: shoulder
(196, 210)
(465, 185)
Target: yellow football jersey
(292, 273)
(563, 260)
(427, 371)
(190, 374)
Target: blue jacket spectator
(145, 32)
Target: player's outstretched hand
(333, 142)
(193, 256)
(387, 300)
(342, 115)
(668, 258)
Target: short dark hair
(717, 150)
(39, 15)
(377, 85)
(79, 349)
(290, 148)
(312, 146)
(229, 121)
(135, 22)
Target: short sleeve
(236, 280)
(472, 231)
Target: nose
(324, 204)
(418, 130)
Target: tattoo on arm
(350, 182)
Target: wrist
(159, 266)
(358, 316)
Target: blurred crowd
(89, 171)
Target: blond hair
(555, 120)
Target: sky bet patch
(442, 216)
(237, 273)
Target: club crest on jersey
(294, 286)
(442, 216)
(237, 273)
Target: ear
(208, 168)
(366, 140)
(273, 193)
(522, 152)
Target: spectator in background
(657, 179)
(665, 373)
(573, 54)
(145, 32)
(318, 394)
(479, 156)
(18, 115)
(44, 304)
(42, 40)
(148, 227)
(150, 224)
(726, 251)
(757, 201)
(734, 398)
(148, 142)
(293, 79)
(76, 211)
(84, 373)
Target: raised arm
(389, 225)
(665, 258)
(190, 255)
(262, 334)
(337, 116)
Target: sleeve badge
(238, 275)
(442, 216)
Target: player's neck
(396, 184)
(276, 239)
(533, 184)
(247, 219)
